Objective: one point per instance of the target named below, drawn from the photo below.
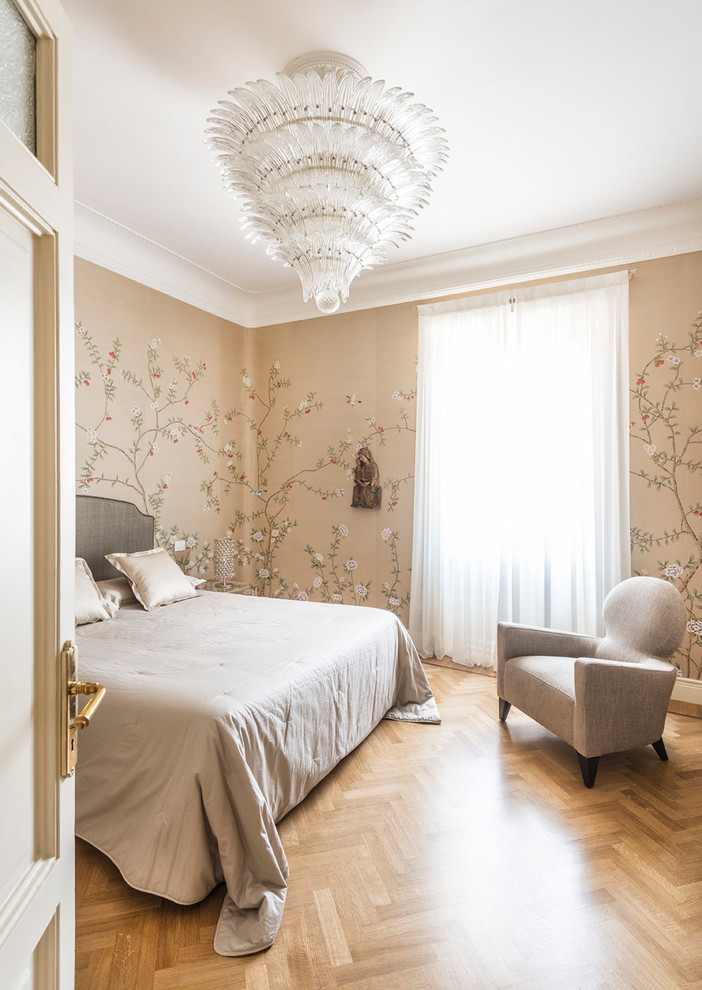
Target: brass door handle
(70, 722)
(82, 720)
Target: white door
(36, 494)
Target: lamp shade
(224, 560)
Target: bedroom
(609, 909)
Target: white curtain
(521, 506)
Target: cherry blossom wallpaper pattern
(243, 480)
(666, 439)
(271, 485)
(134, 455)
(218, 473)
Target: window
(521, 492)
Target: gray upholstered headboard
(107, 525)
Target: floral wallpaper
(263, 515)
(666, 438)
(220, 430)
(150, 391)
(160, 392)
(275, 424)
(251, 454)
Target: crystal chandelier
(331, 167)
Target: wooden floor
(460, 856)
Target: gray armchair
(599, 695)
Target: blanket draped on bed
(222, 712)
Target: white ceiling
(556, 113)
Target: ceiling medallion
(331, 167)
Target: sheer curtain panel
(521, 508)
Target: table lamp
(224, 563)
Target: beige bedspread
(222, 712)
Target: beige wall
(139, 439)
(665, 361)
(347, 368)
(338, 376)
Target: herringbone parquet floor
(452, 857)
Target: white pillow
(196, 581)
(117, 590)
(155, 577)
(90, 605)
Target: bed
(222, 712)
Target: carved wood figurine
(367, 493)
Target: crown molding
(619, 240)
(111, 245)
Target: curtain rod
(505, 285)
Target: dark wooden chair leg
(505, 707)
(588, 768)
(659, 747)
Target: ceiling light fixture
(331, 167)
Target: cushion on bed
(117, 590)
(90, 605)
(154, 576)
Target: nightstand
(234, 587)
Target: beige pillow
(117, 590)
(90, 605)
(155, 577)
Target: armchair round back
(644, 618)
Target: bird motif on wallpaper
(352, 400)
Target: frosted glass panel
(17, 733)
(18, 48)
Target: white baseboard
(688, 690)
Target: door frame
(37, 191)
